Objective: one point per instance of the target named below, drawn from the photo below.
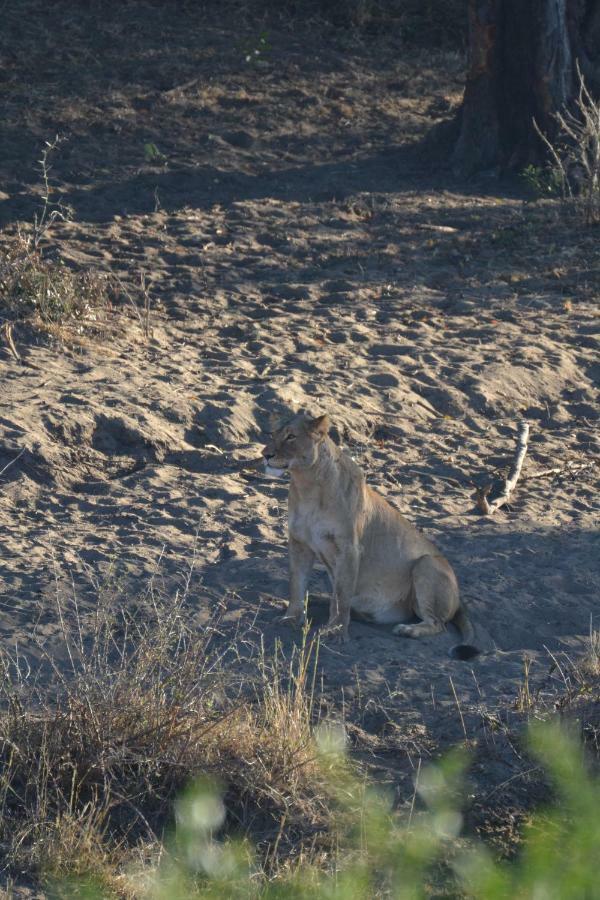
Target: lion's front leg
(302, 560)
(345, 576)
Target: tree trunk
(522, 66)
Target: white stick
(9, 464)
(509, 483)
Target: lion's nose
(267, 453)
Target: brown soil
(299, 244)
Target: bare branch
(489, 507)
(576, 159)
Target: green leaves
(381, 854)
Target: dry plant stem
(7, 331)
(443, 229)
(577, 161)
(146, 295)
(13, 461)
(460, 713)
(48, 216)
(525, 700)
(570, 468)
(557, 470)
(510, 780)
(509, 483)
(414, 796)
(557, 160)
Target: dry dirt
(299, 245)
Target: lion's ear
(318, 426)
(273, 421)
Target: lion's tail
(466, 649)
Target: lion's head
(294, 443)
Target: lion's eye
(290, 437)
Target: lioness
(380, 566)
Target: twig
(444, 229)
(414, 796)
(489, 508)
(7, 331)
(146, 295)
(453, 481)
(558, 666)
(9, 464)
(511, 779)
(181, 87)
(139, 814)
(278, 838)
(569, 468)
(462, 718)
(543, 473)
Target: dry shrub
(108, 742)
(283, 779)
(49, 294)
(92, 762)
(591, 660)
(575, 154)
(41, 289)
(73, 847)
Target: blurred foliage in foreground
(378, 855)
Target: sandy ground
(292, 247)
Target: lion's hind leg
(436, 597)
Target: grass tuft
(48, 294)
(94, 751)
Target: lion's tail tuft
(466, 649)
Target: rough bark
(522, 66)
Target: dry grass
(525, 699)
(41, 289)
(48, 294)
(591, 660)
(92, 764)
(575, 154)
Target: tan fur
(380, 566)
